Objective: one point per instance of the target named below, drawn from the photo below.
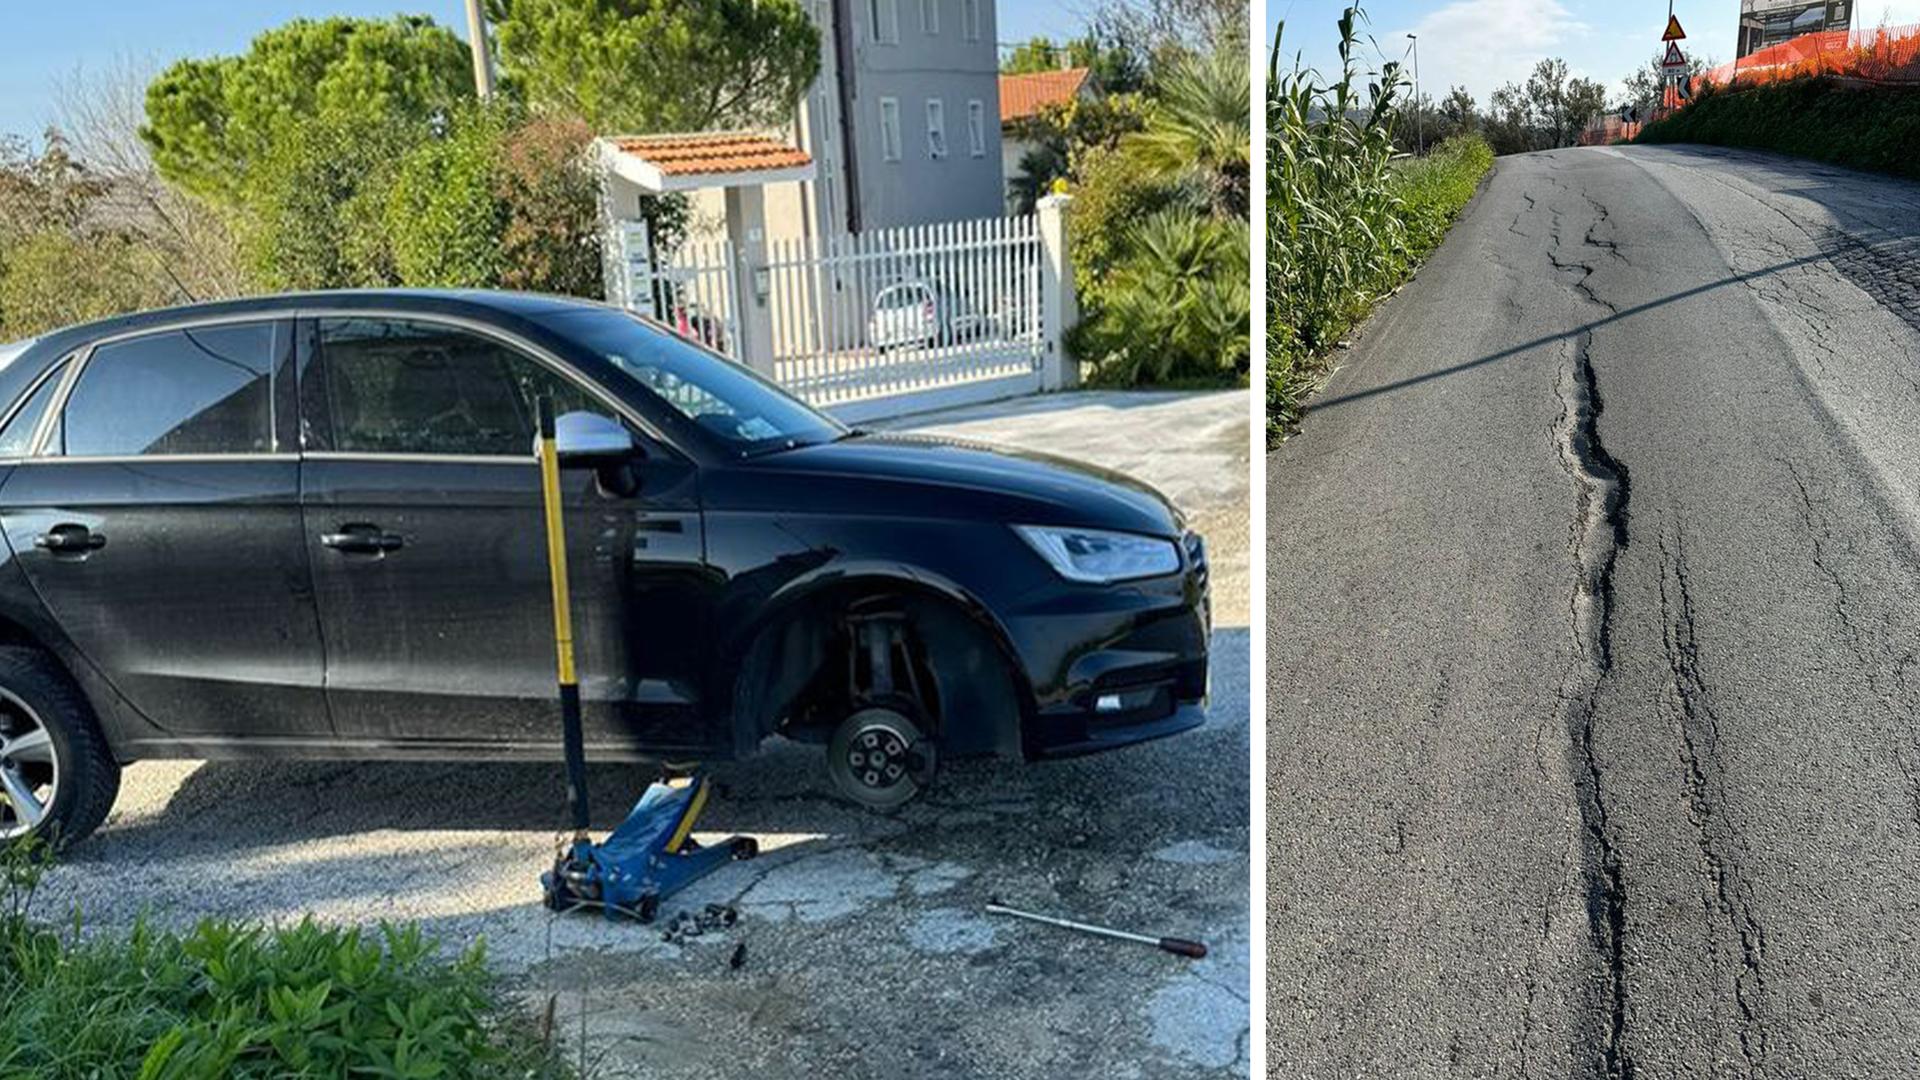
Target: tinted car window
(408, 387)
(203, 391)
(16, 437)
(722, 400)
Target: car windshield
(723, 399)
(902, 296)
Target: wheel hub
(879, 758)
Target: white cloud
(1868, 13)
(1480, 44)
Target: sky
(45, 43)
(1481, 44)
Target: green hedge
(1874, 128)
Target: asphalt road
(868, 954)
(1594, 662)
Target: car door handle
(70, 539)
(363, 540)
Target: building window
(883, 21)
(977, 128)
(970, 18)
(890, 128)
(936, 128)
(930, 16)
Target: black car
(309, 526)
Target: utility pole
(482, 62)
(1419, 120)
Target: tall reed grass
(1333, 223)
(1347, 222)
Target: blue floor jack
(652, 854)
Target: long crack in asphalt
(1730, 894)
(1598, 535)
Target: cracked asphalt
(867, 950)
(1594, 639)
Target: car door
(160, 523)
(424, 525)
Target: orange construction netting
(1888, 54)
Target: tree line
(347, 152)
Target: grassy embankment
(1860, 127)
(1334, 253)
(1348, 219)
(226, 1000)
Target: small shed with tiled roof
(659, 164)
(741, 164)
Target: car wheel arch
(117, 717)
(984, 697)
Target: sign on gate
(691, 291)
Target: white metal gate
(691, 290)
(881, 323)
(943, 313)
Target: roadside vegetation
(237, 1001)
(1350, 216)
(1860, 127)
(1159, 164)
(1545, 111)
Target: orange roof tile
(1022, 96)
(718, 152)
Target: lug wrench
(1178, 946)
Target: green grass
(1434, 189)
(229, 1000)
(1421, 199)
(1875, 128)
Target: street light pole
(477, 39)
(1419, 121)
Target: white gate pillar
(1059, 300)
(747, 235)
(619, 208)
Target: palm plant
(1200, 130)
(1176, 306)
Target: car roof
(478, 303)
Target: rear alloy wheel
(29, 768)
(57, 779)
(879, 758)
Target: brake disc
(879, 758)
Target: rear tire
(58, 779)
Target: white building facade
(903, 123)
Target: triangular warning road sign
(1674, 33)
(1673, 58)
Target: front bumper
(1115, 665)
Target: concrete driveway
(867, 952)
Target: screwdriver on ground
(1178, 946)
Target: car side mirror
(591, 440)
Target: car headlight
(1096, 555)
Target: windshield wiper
(776, 447)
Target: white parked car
(919, 314)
